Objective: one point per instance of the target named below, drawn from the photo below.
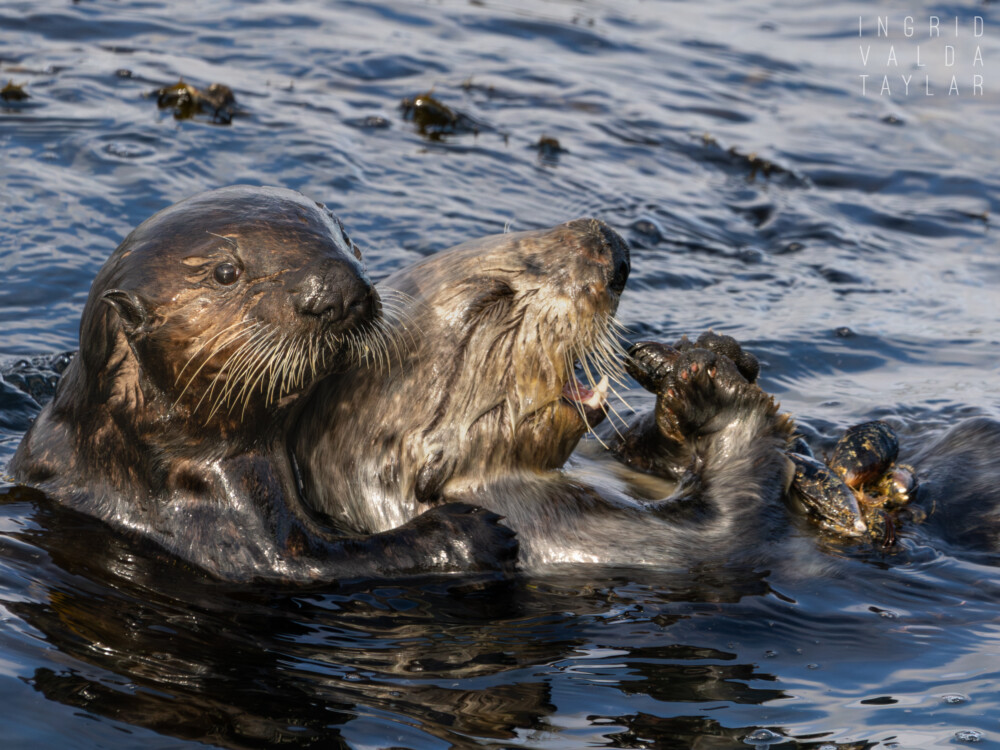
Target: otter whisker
(584, 361)
(315, 348)
(255, 374)
(620, 328)
(377, 341)
(249, 362)
(249, 373)
(255, 368)
(374, 337)
(293, 366)
(571, 370)
(397, 309)
(607, 369)
(390, 343)
(238, 356)
(296, 368)
(298, 362)
(398, 325)
(396, 295)
(608, 365)
(251, 330)
(208, 341)
(585, 365)
(264, 373)
(385, 337)
(230, 240)
(219, 346)
(305, 363)
(606, 406)
(395, 337)
(282, 372)
(279, 371)
(366, 351)
(350, 347)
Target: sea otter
(482, 404)
(202, 334)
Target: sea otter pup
(482, 404)
(202, 333)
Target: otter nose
(338, 293)
(620, 257)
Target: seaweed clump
(217, 102)
(13, 92)
(435, 119)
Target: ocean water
(841, 227)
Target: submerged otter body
(958, 501)
(482, 403)
(202, 333)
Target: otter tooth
(599, 395)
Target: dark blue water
(848, 239)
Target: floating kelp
(435, 119)
(549, 149)
(217, 102)
(13, 92)
(756, 164)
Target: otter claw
(649, 363)
(729, 347)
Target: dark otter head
(505, 344)
(227, 303)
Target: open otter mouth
(591, 403)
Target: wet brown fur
(471, 409)
(172, 421)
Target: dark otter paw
(728, 347)
(650, 363)
(464, 537)
(701, 393)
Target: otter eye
(226, 273)
(494, 295)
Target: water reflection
(147, 642)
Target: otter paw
(465, 537)
(650, 364)
(702, 392)
(727, 346)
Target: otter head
(225, 307)
(495, 337)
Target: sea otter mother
(201, 336)
(481, 403)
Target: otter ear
(130, 308)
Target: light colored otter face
(237, 299)
(501, 333)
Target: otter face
(235, 299)
(501, 327)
